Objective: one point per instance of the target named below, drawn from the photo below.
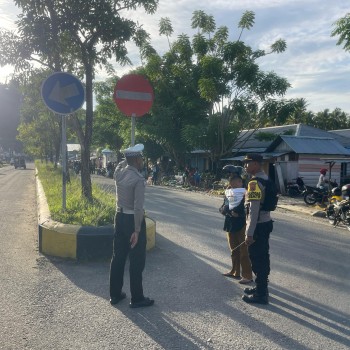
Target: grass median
(78, 211)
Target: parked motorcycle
(338, 211)
(297, 188)
(313, 195)
(109, 173)
(101, 171)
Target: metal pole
(133, 122)
(64, 162)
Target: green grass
(78, 211)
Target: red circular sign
(133, 95)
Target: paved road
(49, 303)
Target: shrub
(78, 211)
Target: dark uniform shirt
(254, 198)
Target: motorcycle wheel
(292, 192)
(330, 213)
(309, 199)
(347, 219)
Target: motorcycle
(339, 212)
(313, 195)
(101, 171)
(297, 188)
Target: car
(19, 162)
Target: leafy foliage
(342, 29)
(111, 128)
(40, 129)
(265, 136)
(208, 88)
(76, 36)
(10, 100)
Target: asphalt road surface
(51, 303)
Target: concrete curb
(74, 241)
(306, 211)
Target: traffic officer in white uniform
(129, 229)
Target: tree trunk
(86, 188)
(85, 146)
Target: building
(297, 150)
(73, 151)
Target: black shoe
(252, 290)
(116, 300)
(142, 303)
(256, 299)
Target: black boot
(256, 299)
(252, 290)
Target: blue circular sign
(63, 93)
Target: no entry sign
(133, 95)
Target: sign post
(64, 160)
(133, 95)
(63, 94)
(133, 126)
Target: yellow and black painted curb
(78, 242)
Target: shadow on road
(195, 307)
(187, 290)
(305, 312)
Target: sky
(317, 68)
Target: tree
(335, 120)
(342, 29)
(237, 92)
(39, 129)
(74, 35)
(110, 129)
(177, 104)
(298, 115)
(166, 28)
(10, 100)
(209, 88)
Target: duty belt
(125, 211)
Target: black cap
(253, 157)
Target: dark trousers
(260, 257)
(124, 227)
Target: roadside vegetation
(79, 211)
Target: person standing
(185, 177)
(197, 178)
(129, 229)
(234, 225)
(322, 181)
(155, 171)
(259, 227)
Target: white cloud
(8, 14)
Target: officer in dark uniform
(130, 229)
(258, 229)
